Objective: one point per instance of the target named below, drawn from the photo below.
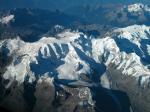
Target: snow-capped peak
(137, 8)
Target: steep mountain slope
(74, 59)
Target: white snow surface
(6, 19)
(73, 53)
(148, 49)
(137, 8)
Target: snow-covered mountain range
(71, 54)
(65, 65)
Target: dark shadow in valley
(4, 109)
(29, 94)
(98, 68)
(110, 100)
(46, 65)
(129, 47)
(106, 100)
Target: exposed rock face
(138, 94)
(45, 94)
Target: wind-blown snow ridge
(71, 54)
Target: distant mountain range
(27, 22)
(59, 4)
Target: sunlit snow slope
(71, 54)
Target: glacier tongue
(71, 54)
